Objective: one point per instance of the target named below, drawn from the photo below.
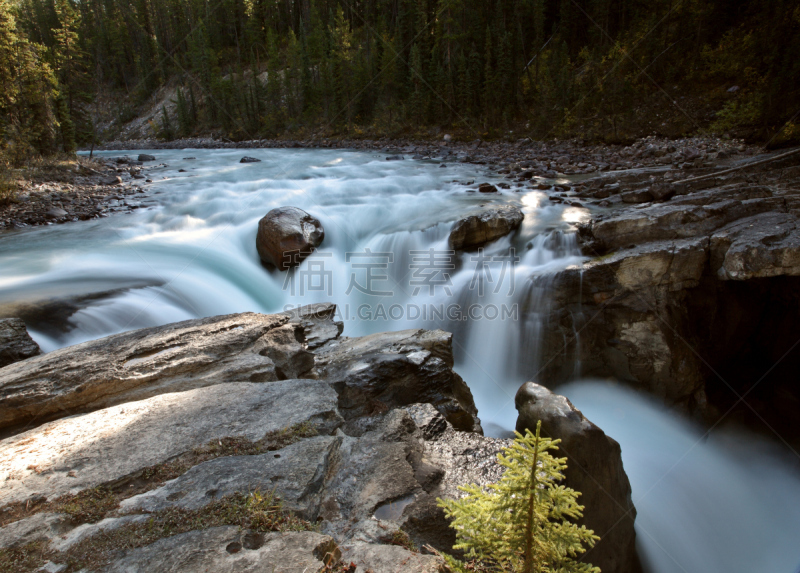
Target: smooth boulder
(249, 160)
(15, 342)
(286, 236)
(594, 468)
(485, 226)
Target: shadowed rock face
(377, 371)
(594, 468)
(286, 236)
(485, 226)
(669, 280)
(15, 342)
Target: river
(728, 503)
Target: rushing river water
(386, 263)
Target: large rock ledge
(689, 296)
(386, 410)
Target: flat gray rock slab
(295, 473)
(390, 559)
(135, 365)
(229, 550)
(38, 527)
(75, 453)
(87, 530)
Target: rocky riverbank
(77, 190)
(153, 450)
(524, 158)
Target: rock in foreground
(594, 468)
(485, 226)
(398, 368)
(135, 365)
(15, 342)
(286, 236)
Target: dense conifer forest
(243, 69)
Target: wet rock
(134, 365)
(84, 451)
(145, 157)
(487, 188)
(394, 158)
(485, 226)
(594, 468)
(246, 159)
(15, 342)
(286, 236)
(318, 322)
(381, 371)
(231, 550)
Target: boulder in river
(15, 342)
(485, 226)
(146, 157)
(286, 236)
(594, 468)
(246, 159)
(487, 188)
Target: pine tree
(522, 523)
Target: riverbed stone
(594, 468)
(15, 342)
(485, 226)
(287, 236)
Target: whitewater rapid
(727, 505)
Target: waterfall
(726, 502)
(729, 505)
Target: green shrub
(523, 522)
